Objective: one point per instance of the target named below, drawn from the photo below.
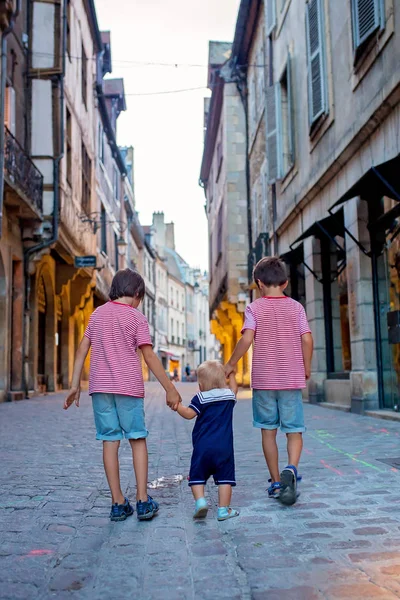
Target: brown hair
(271, 271)
(127, 283)
(211, 376)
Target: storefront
(379, 188)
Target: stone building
(64, 209)
(333, 153)
(224, 176)
(21, 195)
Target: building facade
(64, 214)
(332, 110)
(225, 181)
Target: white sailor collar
(216, 395)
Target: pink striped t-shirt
(279, 323)
(116, 331)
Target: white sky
(167, 130)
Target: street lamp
(122, 245)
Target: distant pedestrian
(282, 352)
(212, 438)
(187, 370)
(115, 332)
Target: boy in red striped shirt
(116, 331)
(282, 342)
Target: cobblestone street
(341, 541)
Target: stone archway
(3, 331)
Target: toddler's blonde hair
(211, 375)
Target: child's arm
(233, 384)
(75, 389)
(307, 345)
(186, 412)
(241, 348)
(155, 366)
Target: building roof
(218, 54)
(245, 26)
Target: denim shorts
(117, 416)
(274, 408)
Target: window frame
(359, 43)
(84, 82)
(86, 165)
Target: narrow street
(341, 541)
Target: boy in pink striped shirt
(282, 342)
(116, 331)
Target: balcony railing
(22, 172)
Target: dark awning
(329, 227)
(379, 181)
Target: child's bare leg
(111, 467)
(270, 449)
(294, 448)
(224, 495)
(141, 467)
(197, 491)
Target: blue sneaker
(201, 509)
(226, 512)
(119, 512)
(289, 478)
(146, 510)
(274, 489)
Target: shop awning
(328, 227)
(379, 181)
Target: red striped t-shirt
(279, 323)
(116, 331)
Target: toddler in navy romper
(212, 438)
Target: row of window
(179, 331)
(176, 304)
(367, 18)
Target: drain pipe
(29, 252)
(3, 79)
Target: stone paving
(340, 541)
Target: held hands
(308, 373)
(73, 396)
(173, 399)
(229, 370)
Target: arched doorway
(3, 330)
(46, 338)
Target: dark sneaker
(289, 478)
(119, 512)
(146, 510)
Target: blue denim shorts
(117, 416)
(274, 408)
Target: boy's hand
(308, 373)
(73, 396)
(229, 370)
(173, 399)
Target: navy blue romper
(213, 438)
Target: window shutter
(272, 132)
(316, 61)
(270, 14)
(264, 200)
(291, 129)
(366, 19)
(9, 109)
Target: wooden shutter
(272, 132)
(316, 61)
(366, 19)
(270, 15)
